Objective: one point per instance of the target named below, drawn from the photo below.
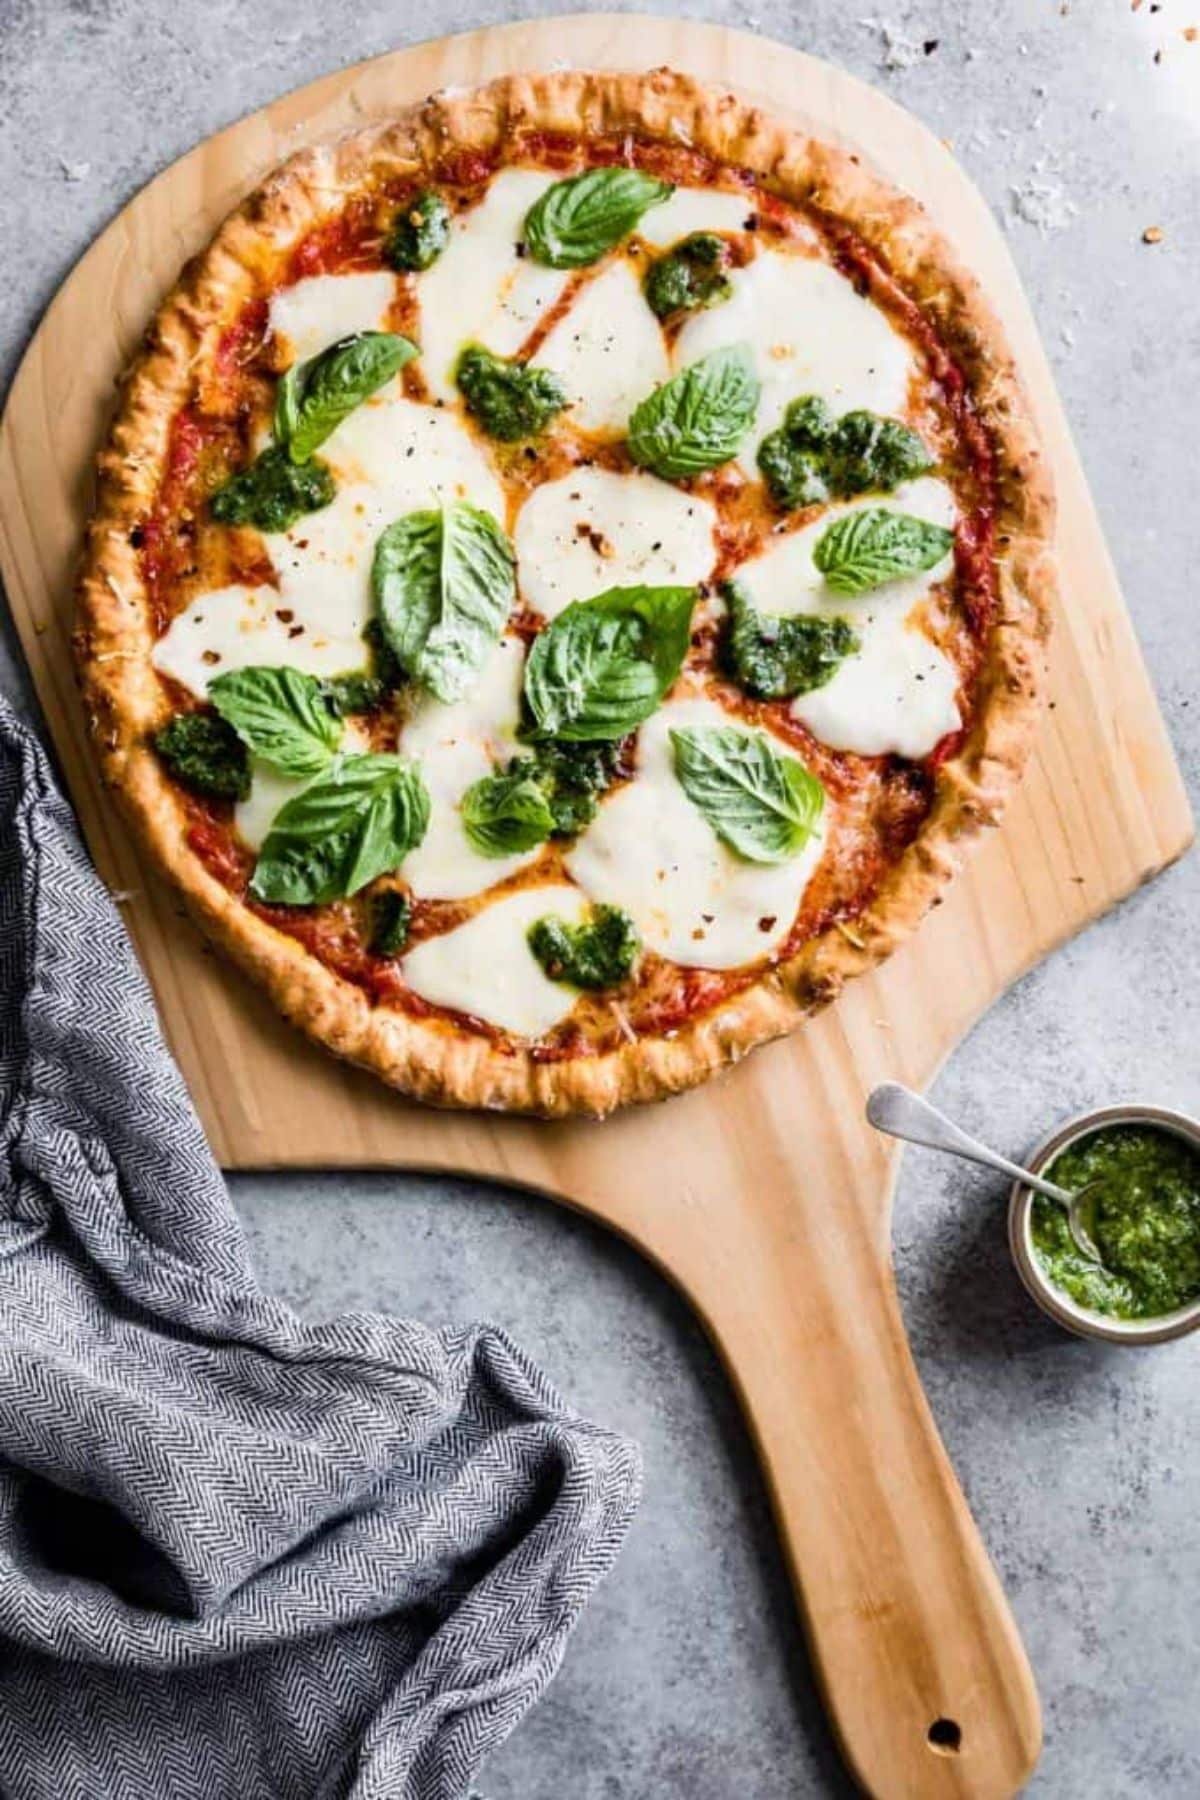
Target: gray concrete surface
(687, 1679)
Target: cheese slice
(486, 969)
(898, 694)
(456, 745)
(480, 290)
(238, 627)
(594, 529)
(608, 351)
(651, 851)
(316, 312)
(270, 791)
(695, 209)
(391, 456)
(809, 333)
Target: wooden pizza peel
(764, 1196)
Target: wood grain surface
(764, 1196)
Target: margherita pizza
(570, 566)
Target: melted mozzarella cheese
(238, 627)
(651, 851)
(270, 791)
(319, 310)
(609, 351)
(486, 968)
(391, 456)
(593, 529)
(479, 290)
(898, 693)
(809, 333)
(694, 209)
(456, 745)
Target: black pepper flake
(137, 537)
(519, 247)
(750, 223)
(930, 45)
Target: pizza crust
(430, 1058)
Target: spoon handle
(895, 1109)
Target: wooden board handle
(924, 1676)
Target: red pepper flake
(769, 922)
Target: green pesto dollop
(1143, 1214)
(420, 232)
(511, 400)
(690, 278)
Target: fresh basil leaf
(572, 777)
(314, 397)
(811, 457)
(205, 754)
(391, 918)
(444, 584)
(764, 805)
(696, 420)
(690, 278)
(355, 822)
(273, 492)
(599, 953)
(511, 400)
(505, 814)
(578, 219)
(776, 656)
(420, 232)
(280, 715)
(603, 665)
(867, 548)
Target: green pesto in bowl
(1143, 1214)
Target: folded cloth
(241, 1557)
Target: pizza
(570, 569)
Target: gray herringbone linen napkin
(241, 1557)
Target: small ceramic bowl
(1052, 1300)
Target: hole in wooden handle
(945, 1736)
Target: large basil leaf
(764, 805)
(206, 755)
(505, 814)
(355, 822)
(603, 665)
(599, 953)
(696, 420)
(444, 584)
(273, 492)
(776, 656)
(867, 548)
(315, 396)
(578, 219)
(281, 715)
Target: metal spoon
(895, 1109)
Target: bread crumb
(1153, 234)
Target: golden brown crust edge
(431, 1059)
